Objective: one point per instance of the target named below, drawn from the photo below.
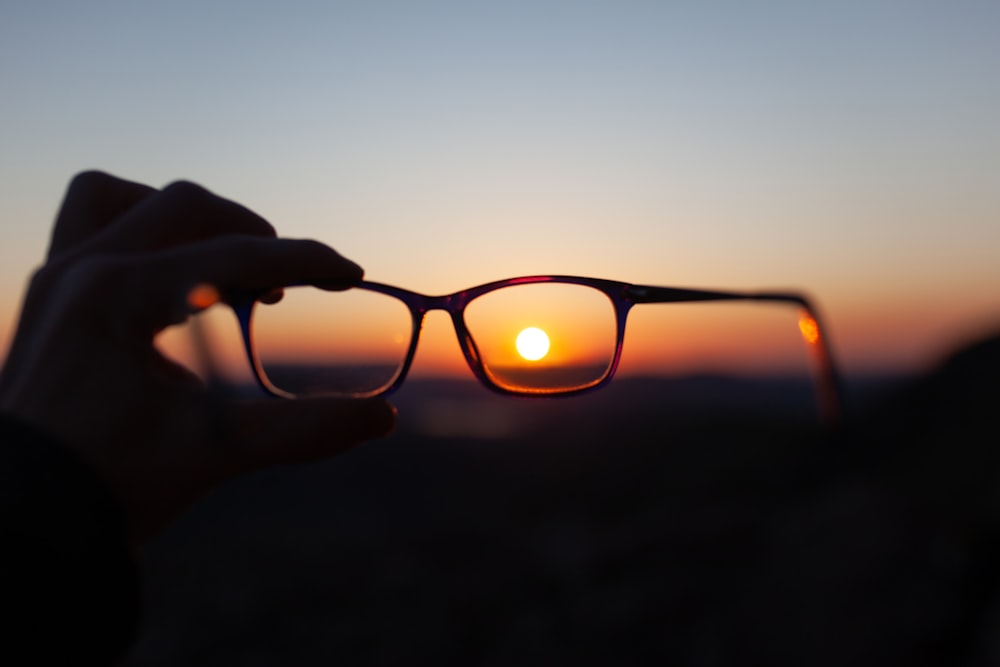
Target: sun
(532, 343)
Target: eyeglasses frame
(623, 297)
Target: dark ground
(704, 522)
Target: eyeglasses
(527, 336)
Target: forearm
(69, 579)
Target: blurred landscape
(616, 527)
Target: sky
(850, 150)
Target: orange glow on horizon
(660, 339)
(358, 329)
(739, 338)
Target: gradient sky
(850, 149)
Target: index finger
(158, 284)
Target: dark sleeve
(69, 590)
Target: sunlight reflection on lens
(202, 296)
(809, 328)
(532, 343)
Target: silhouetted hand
(122, 262)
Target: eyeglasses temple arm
(829, 387)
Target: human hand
(83, 365)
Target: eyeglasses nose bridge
(454, 305)
(466, 342)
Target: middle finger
(179, 214)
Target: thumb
(274, 432)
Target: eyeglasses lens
(313, 342)
(543, 338)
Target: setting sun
(532, 343)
